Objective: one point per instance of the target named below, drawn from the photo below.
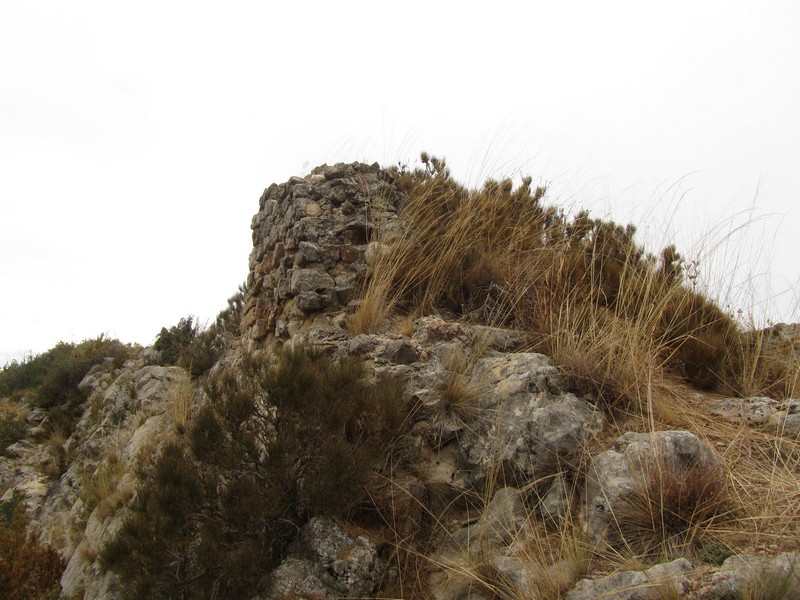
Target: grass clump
(99, 485)
(281, 440)
(672, 508)
(772, 583)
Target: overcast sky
(136, 138)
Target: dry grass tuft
(673, 508)
(764, 481)
(179, 400)
(629, 331)
(99, 487)
(773, 584)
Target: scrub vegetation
(282, 439)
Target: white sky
(136, 138)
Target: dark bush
(27, 375)
(195, 349)
(12, 429)
(280, 441)
(28, 570)
(170, 343)
(52, 377)
(66, 372)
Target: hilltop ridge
(422, 391)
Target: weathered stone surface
(313, 290)
(617, 473)
(328, 563)
(524, 424)
(555, 504)
(129, 416)
(634, 585)
(307, 254)
(773, 415)
(320, 223)
(402, 352)
(758, 575)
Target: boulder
(760, 411)
(745, 576)
(635, 585)
(639, 460)
(327, 563)
(523, 427)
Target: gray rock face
(758, 576)
(618, 473)
(129, 415)
(327, 563)
(634, 585)
(502, 524)
(759, 411)
(524, 425)
(313, 290)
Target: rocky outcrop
(524, 427)
(491, 424)
(747, 576)
(670, 578)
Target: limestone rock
(762, 577)
(618, 473)
(773, 415)
(524, 424)
(634, 585)
(327, 563)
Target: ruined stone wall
(309, 239)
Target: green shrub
(195, 349)
(228, 320)
(18, 377)
(278, 442)
(51, 379)
(12, 429)
(170, 343)
(66, 372)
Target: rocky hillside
(422, 391)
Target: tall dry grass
(619, 319)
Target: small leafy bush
(280, 441)
(17, 377)
(60, 384)
(171, 342)
(12, 429)
(196, 349)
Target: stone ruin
(310, 236)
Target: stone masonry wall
(309, 239)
